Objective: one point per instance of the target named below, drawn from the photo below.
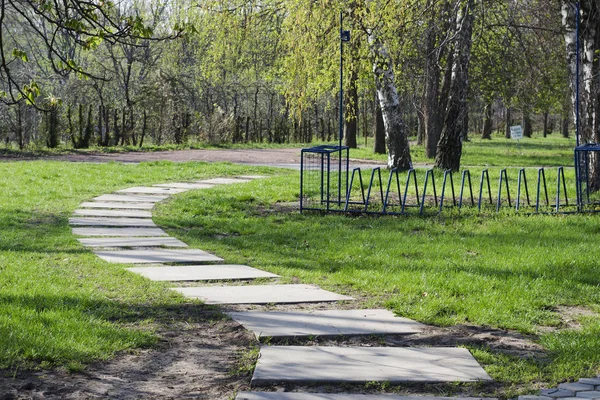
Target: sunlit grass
(503, 270)
(59, 303)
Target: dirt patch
(289, 157)
(570, 317)
(198, 357)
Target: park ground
(520, 291)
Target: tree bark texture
(508, 121)
(395, 129)
(379, 147)
(527, 126)
(449, 148)
(486, 132)
(589, 85)
(351, 113)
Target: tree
(85, 24)
(449, 148)
(588, 103)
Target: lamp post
(344, 37)
(577, 60)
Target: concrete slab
(132, 242)
(156, 256)
(298, 364)
(325, 323)
(593, 395)
(223, 181)
(339, 396)
(201, 273)
(131, 198)
(91, 212)
(151, 190)
(186, 185)
(117, 205)
(99, 221)
(252, 177)
(119, 232)
(556, 393)
(261, 294)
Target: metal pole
(341, 133)
(577, 58)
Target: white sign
(516, 132)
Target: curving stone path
(119, 228)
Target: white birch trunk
(389, 101)
(589, 85)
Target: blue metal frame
(522, 178)
(369, 206)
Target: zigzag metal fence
(411, 190)
(327, 184)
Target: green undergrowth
(504, 270)
(59, 303)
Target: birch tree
(449, 148)
(589, 89)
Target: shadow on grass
(82, 329)
(195, 354)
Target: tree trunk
(545, 123)
(565, 127)
(379, 147)
(116, 127)
(486, 132)
(449, 149)
(431, 110)
(351, 113)
(144, 127)
(351, 103)
(526, 122)
(389, 101)
(20, 131)
(589, 86)
(70, 128)
(81, 127)
(508, 122)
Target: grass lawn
(495, 270)
(59, 303)
(551, 151)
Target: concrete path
(325, 323)
(119, 232)
(301, 365)
(123, 219)
(153, 256)
(261, 294)
(201, 273)
(133, 242)
(117, 205)
(339, 396)
(92, 212)
(112, 222)
(131, 198)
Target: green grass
(495, 270)
(62, 306)
(553, 150)
(59, 303)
